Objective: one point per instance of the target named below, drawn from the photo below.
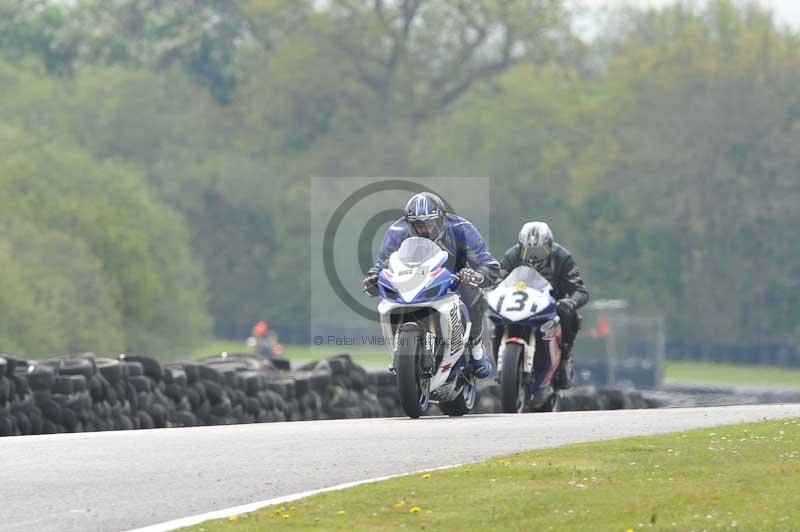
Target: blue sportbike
(527, 339)
(426, 325)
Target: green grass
(742, 477)
(360, 354)
(215, 347)
(732, 374)
(691, 372)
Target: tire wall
(85, 393)
(488, 401)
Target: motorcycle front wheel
(414, 388)
(513, 388)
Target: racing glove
(370, 284)
(470, 277)
(567, 305)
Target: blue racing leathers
(466, 249)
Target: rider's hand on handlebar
(470, 277)
(566, 305)
(370, 284)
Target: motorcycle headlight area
(389, 293)
(433, 292)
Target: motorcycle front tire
(414, 390)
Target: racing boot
(541, 396)
(479, 361)
(562, 379)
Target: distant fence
(619, 347)
(783, 355)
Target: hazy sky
(787, 12)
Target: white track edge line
(253, 506)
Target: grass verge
(691, 372)
(730, 374)
(361, 354)
(738, 477)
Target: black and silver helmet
(425, 214)
(536, 243)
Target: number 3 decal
(522, 298)
(518, 303)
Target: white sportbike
(426, 325)
(527, 339)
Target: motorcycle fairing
(450, 322)
(412, 278)
(525, 298)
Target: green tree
(141, 245)
(40, 28)
(72, 302)
(710, 168)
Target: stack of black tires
(385, 386)
(85, 393)
(352, 394)
(488, 401)
(575, 399)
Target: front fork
(427, 360)
(528, 348)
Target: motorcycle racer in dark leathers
(537, 248)
(426, 216)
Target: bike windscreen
(527, 275)
(417, 250)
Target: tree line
(154, 155)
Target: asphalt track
(125, 480)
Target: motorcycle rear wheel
(463, 403)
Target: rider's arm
(397, 232)
(510, 260)
(573, 283)
(478, 258)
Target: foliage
(711, 164)
(66, 300)
(168, 148)
(105, 265)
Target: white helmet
(536, 242)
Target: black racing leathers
(562, 273)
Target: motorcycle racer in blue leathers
(425, 216)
